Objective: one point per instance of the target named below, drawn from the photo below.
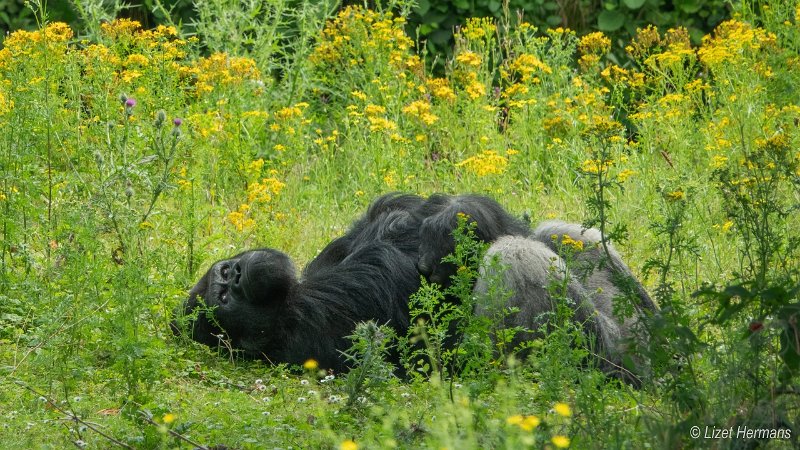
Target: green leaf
(610, 21)
(554, 20)
(634, 4)
(423, 6)
(688, 6)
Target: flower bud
(161, 117)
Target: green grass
(284, 142)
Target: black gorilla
(263, 309)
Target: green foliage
(108, 213)
(367, 357)
(442, 342)
(434, 21)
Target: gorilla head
(242, 295)
(440, 218)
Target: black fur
(264, 310)
(440, 218)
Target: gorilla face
(242, 296)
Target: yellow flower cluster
(358, 36)
(469, 58)
(240, 218)
(440, 88)
(567, 241)
(526, 65)
(646, 41)
(624, 175)
(421, 110)
(487, 163)
(120, 28)
(21, 43)
(732, 39)
(478, 28)
(263, 191)
(290, 112)
(222, 69)
(594, 43)
(595, 166)
(676, 195)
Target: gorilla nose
(236, 276)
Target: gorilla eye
(225, 271)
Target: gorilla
(439, 216)
(531, 260)
(257, 302)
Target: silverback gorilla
(264, 310)
(370, 272)
(531, 261)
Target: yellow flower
(562, 409)
(136, 59)
(576, 245)
(529, 423)
(374, 110)
(516, 419)
(625, 174)
(310, 364)
(120, 27)
(421, 110)
(478, 28)
(348, 445)
(594, 166)
(596, 43)
(718, 161)
(675, 196)
(476, 90)
(560, 441)
(726, 227)
(440, 89)
(526, 423)
(169, 418)
(471, 59)
(488, 162)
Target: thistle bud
(161, 117)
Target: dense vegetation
(131, 158)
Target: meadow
(131, 159)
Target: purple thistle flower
(177, 121)
(130, 102)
